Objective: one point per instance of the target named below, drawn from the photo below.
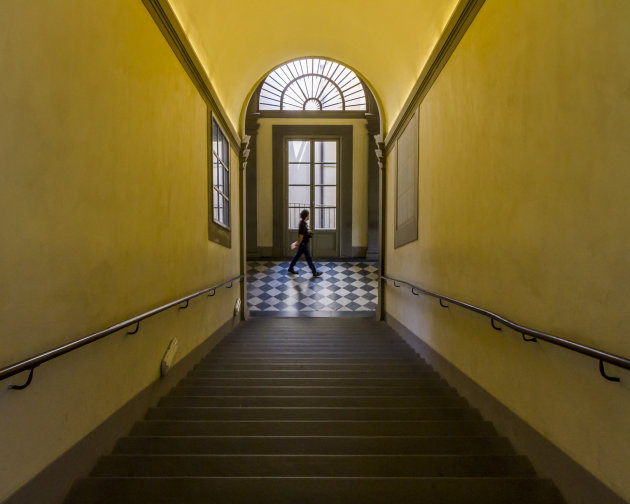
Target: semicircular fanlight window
(312, 84)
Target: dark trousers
(303, 249)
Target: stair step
(321, 373)
(332, 350)
(309, 360)
(417, 390)
(314, 428)
(432, 381)
(312, 414)
(191, 490)
(385, 346)
(313, 445)
(439, 401)
(314, 465)
(313, 411)
(314, 366)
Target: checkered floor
(344, 289)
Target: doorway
(312, 181)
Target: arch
(369, 89)
(291, 85)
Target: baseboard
(577, 485)
(359, 252)
(267, 253)
(52, 484)
(315, 259)
(259, 253)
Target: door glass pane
(326, 152)
(325, 218)
(326, 196)
(299, 199)
(300, 195)
(299, 174)
(326, 174)
(299, 151)
(325, 207)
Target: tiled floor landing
(345, 289)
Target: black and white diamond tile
(343, 287)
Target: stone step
(338, 413)
(314, 445)
(439, 401)
(194, 381)
(360, 428)
(273, 359)
(313, 490)
(255, 345)
(312, 373)
(313, 354)
(314, 465)
(417, 390)
(315, 366)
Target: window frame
(280, 90)
(219, 231)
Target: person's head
(304, 215)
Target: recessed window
(220, 176)
(312, 84)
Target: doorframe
(285, 164)
(280, 132)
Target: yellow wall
(264, 174)
(366, 35)
(523, 210)
(103, 197)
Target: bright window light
(312, 84)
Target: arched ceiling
(387, 42)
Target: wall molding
(577, 485)
(53, 483)
(458, 24)
(169, 25)
(310, 114)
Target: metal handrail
(595, 353)
(33, 362)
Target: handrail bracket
(26, 384)
(442, 304)
(602, 370)
(494, 326)
(136, 329)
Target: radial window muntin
(309, 83)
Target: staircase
(313, 411)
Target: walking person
(304, 236)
